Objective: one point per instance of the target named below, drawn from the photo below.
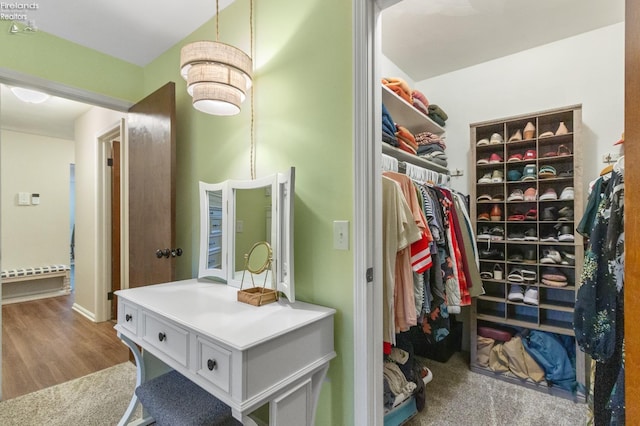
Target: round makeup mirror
(259, 258)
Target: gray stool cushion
(174, 400)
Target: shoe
(515, 275)
(529, 173)
(565, 234)
(484, 233)
(498, 197)
(496, 138)
(531, 296)
(551, 256)
(565, 214)
(514, 175)
(515, 255)
(567, 193)
(484, 217)
(497, 272)
(546, 134)
(547, 172)
(515, 236)
(563, 151)
(483, 161)
(497, 176)
(530, 154)
(529, 275)
(549, 238)
(495, 158)
(532, 214)
(516, 293)
(549, 194)
(530, 255)
(530, 235)
(516, 195)
(491, 254)
(485, 197)
(514, 158)
(496, 213)
(482, 142)
(486, 178)
(529, 131)
(497, 233)
(549, 214)
(531, 194)
(553, 283)
(553, 274)
(568, 259)
(566, 174)
(517, 136)
(562, 129)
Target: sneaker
(565, 234)
(531, 194)
(532, 214)
(495, 158)
(514, 157)
(549, 238)
(484, 160)
(530, 235)
(567, 193)
(531, 296)
(516, 195)
(496, 138)
(483, 142)
(485, 197)
(484, 233)
(516, 293)
(551, 256)
(568, 259)
(497, 233)
(565, 214)
(549, 214)
(497, 176)
(549, 194)
(491, 254)
(515, 236)
(529, 172)
(486, 178)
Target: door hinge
(369, 275)
(110, 162)
(110, 295)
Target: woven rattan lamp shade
(217, 74)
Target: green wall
(303, 118)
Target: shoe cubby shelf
(518, 233)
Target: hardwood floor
(45, 343)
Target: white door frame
(367, 218)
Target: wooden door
(632, 220)
(152, 207)
(115, 225)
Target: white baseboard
(85, 313)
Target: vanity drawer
(129, 319)
(214, 363)
(167, 337)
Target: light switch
(24, 198)
(341, 234)
(239, 225)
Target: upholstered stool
(173, 400)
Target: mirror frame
(282, 200)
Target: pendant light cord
(217, 21)
(253, 56)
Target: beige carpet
(98, 399)
(457, 396)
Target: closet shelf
(413, 159)
(407, 115)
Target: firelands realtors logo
(16, 11)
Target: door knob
(176, 252)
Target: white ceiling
(426, 38)
(423, 37)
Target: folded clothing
(428, 138)
(420, 106)
(406, 136)
(388, 125)
(390, 139)
(435, 109)
(428, 149)
(501, 335)
(399, 87)
(419, 96)
(439, 120)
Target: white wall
(587, 69)
(35, 235)
(88, 128)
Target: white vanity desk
(244, 355)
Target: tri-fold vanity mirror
(237, 214)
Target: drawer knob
(212, 364)
(128, 317)
(162, 336)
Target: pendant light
(218, 75)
